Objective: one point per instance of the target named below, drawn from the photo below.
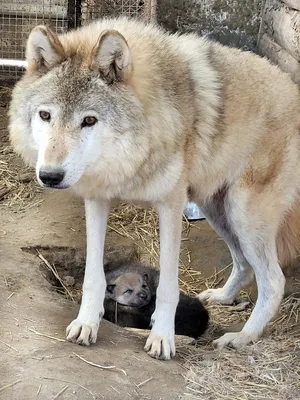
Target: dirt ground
(37, 362)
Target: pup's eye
(144, 286)
(128, 291)
(89, 121)
(45, 115)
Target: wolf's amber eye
(88, 121)
(45, 116)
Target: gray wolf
(122, 110)
(131, 295)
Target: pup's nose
(51, 178)
(143, 296)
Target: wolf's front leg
(161, 341)
(83, 330)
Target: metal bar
(71, 13)
(78, 12)
(13, 63)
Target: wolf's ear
(111, 56)
(44, 50)
(110, 288)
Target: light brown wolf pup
(123, 110)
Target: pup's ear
(110, 288)
(44, 50)
(111, 56)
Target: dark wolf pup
(134, 286)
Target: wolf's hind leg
(257, 230)
(242, 273)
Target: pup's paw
(82, 333)
(215, 296)
(236, 340)
(159, 346)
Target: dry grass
(268, 369)
(258, 372)
(17, 183)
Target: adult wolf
(123, 110)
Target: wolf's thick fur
(134, 286)
(168, 117)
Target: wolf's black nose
(51, 178)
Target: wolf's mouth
(58, 187)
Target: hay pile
(17, 183)
(268, 369)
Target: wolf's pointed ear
(111, 56)
(44, 50)
(110, 288)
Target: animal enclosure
(19, 17)
(42, 250)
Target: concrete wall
(233, 22)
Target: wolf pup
(134, 285)
(123, 110)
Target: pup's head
(74, 108)
(130, 289)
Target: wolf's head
(75, 109)
(129, 289)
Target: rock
(69, 280)
(26, 177)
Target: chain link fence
(19, 17)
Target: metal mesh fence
(92, 9)
(19, 17)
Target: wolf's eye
(45, 115)
(128, 291)
(88, 121)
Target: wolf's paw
(161, 347)
(236, 340)
(82, 333)
(215, 296)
